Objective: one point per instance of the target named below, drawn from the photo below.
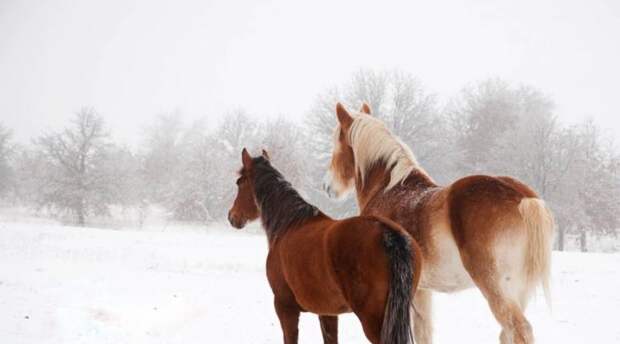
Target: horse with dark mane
(492, 232)
(366, 265)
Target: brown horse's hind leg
(372, 323)
(422, 317)
(329, 329)
(370, 310)
(289, 320)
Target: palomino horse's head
(340, 176)
(245, 208)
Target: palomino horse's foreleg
(329, 329)
(422, 317)
(289, 320)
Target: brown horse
(491, 232)
(365, 264)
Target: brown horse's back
(331, 267)
(360, 241)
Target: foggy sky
(132, 60)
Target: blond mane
(372, 142)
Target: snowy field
(83, 285)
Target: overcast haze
(132, 60)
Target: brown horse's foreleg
(422, 317)
(329, 328)
(289, 320)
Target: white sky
(134, 59)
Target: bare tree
(6, 153)
(287, 149)
(238, 130)
(74, 179)
(195, 196)
(161, 156)
(595, 183)
(481, 116)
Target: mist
(136, 60)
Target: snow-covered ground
(84, 285)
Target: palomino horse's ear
(344, 117)
(246, 158)
(365, 108)
(266, 155)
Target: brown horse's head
(245, 208)
(340, 176)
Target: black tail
(396, 327)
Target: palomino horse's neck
(378, 178)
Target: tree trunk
(80, 214)
(561, 238)
(583, 241)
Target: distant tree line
(491, 127)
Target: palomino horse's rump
(503, 214)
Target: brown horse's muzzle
(235, 221)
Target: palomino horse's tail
(540, 227)
(396, 328)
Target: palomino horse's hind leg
(515, 328)
(329, 329)
(422, 317)
(289, 320)
(504, 300)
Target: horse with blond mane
(491, 232)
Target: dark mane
(280, 204)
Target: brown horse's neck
(378, 178)
(281, 206)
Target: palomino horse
(491, 232)
(365, 264)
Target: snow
(84, 285)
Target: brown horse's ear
(365, 108)
(344, 117)
(246, 158)
(266, 155)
